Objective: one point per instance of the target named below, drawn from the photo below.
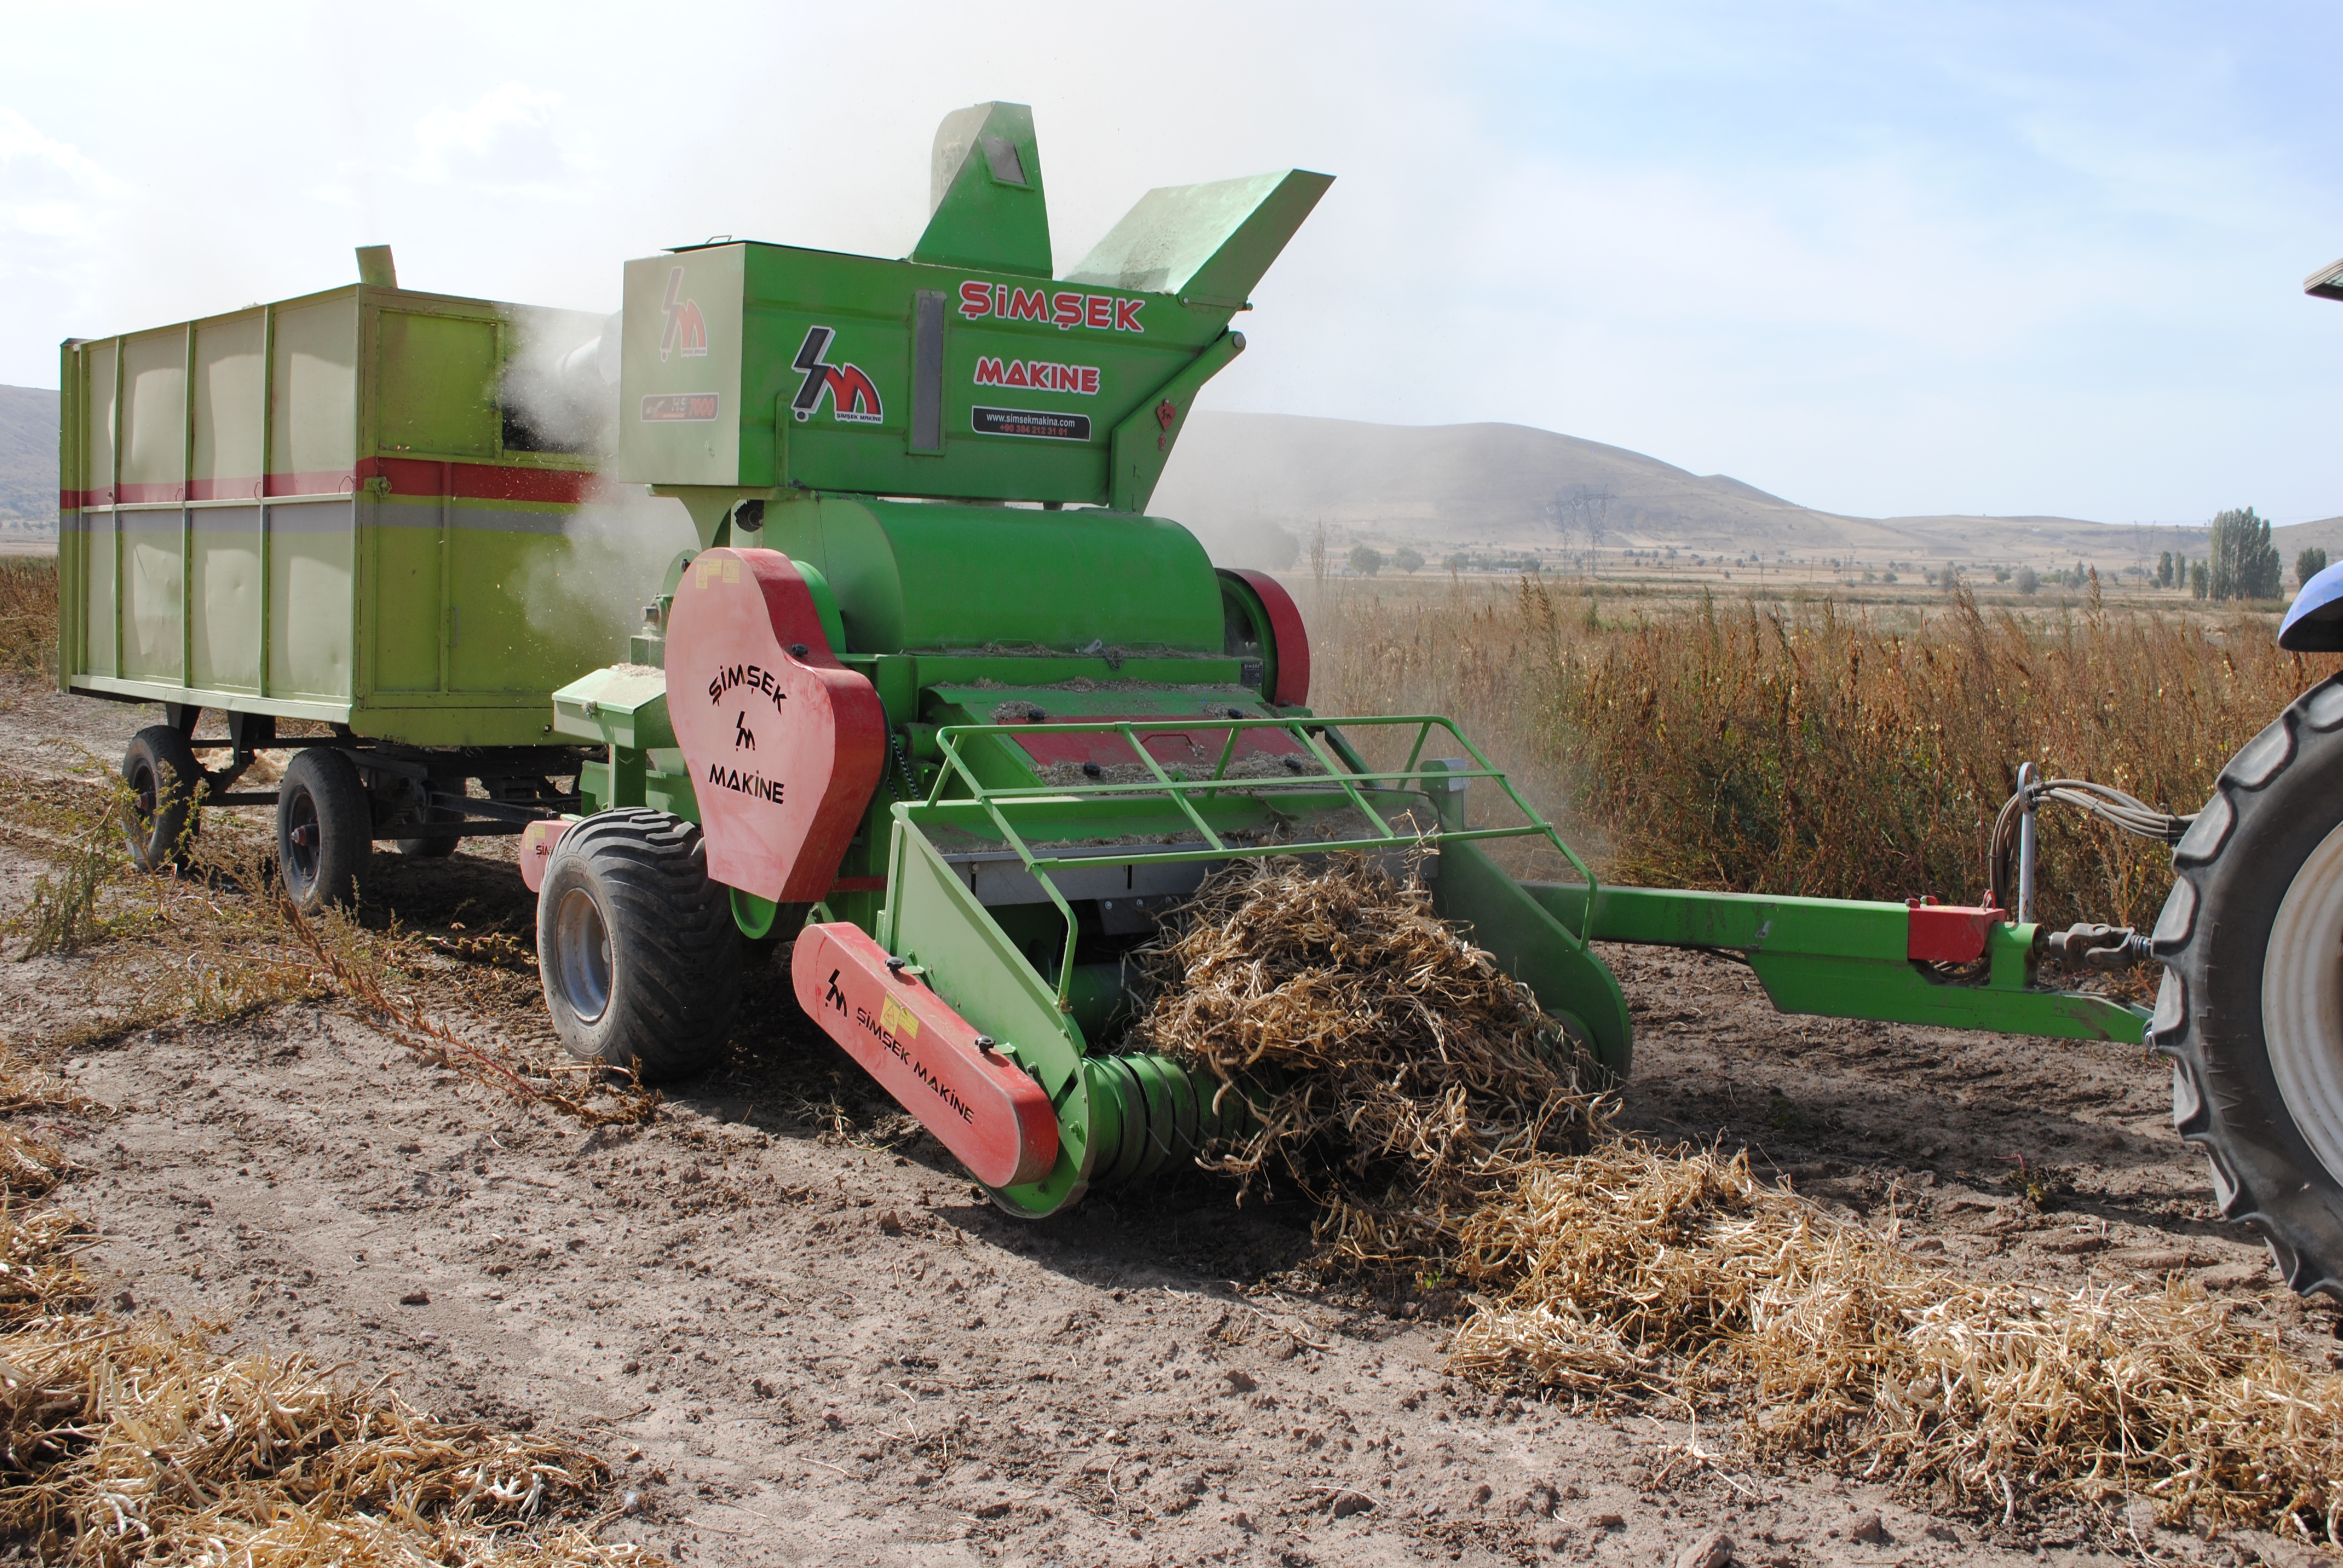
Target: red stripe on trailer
(1949, 933)
(995, 1120)
(401, 476)
(1169, 741)
(319, 482)
(246, 489)
(1292, 637)
(477, 481)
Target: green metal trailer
(336, 510)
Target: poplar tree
(2245, 564)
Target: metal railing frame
(1319, 737)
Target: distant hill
(1238, 477)
(28, 459)
(1458, 483)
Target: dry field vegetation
(1801, 746)
(1442, 1142)
(127, 1437)
(28, 612)
(1807, 746)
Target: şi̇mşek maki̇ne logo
(851, 396)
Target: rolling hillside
(28, 459)
(1446, 486)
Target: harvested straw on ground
(1641, 1267)
(1399, 1076)
(131, 1438)
(1395, 1070)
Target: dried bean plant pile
(1403, 1080)
(1397, 1075)
(130, 1439)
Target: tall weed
(1807, 747)
(28, 613)
(61, 916)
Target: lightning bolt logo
(685, 329)
(817, 374)
(852, 396)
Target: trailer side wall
(321, 509)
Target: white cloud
(48, 189)
(24, 149)
(56, 206)
(506, 139)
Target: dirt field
(803, 1337)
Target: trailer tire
(636, 947)
(2250, 1011)
(431, 849)
(163, 775)
(325, 829)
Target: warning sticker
(679, 408)
(895, 1018)
(1032, 422)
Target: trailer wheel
(325, 828)
(435, 847)
(163, 775)
(2251, 1007)
(636, 946)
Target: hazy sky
(1878, 258)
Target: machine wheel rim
(303, 842)
(2302, 1002)
(581, 955)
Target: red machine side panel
(994, 1119)
(784, 743)
(537, 844)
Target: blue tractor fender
(2314, 624)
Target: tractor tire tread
(2231, 872)
(674, 997)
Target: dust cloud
(560, 388)
(610, 561)
(561, 394)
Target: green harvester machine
(934, 700)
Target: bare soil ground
(802, 1336)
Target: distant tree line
(2241, 562)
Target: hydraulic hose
(2110, 805)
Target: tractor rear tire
(325, 829)
(2251, 1007)
(638, 947)
(161, 769)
